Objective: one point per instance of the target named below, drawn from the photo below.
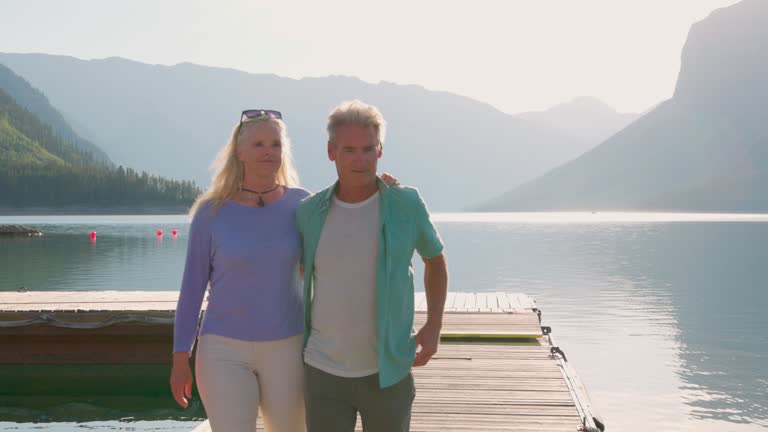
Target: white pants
(237, 377)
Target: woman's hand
(181, 379)
(389, 180)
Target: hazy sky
(516, 55)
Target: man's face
(356, 153)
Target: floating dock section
(497, 369)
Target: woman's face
(260, 149)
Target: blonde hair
(360, 114)
(229, 169)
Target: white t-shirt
(343, 339)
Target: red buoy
(93, 235)
(174, 233)
(159, 233)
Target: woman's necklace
(261, 200)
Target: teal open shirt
(405, 227)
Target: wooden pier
(498, 368)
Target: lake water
(662, 315)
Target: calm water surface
(662, 315)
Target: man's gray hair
(360, 114)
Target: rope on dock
(590, 421)
(117, 319)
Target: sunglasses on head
(257, 113)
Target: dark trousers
(332, 403)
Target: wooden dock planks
(96, 306)
(490, 388)
(59, 301)
(515, 385)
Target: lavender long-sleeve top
(249, 256)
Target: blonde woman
(243, 241)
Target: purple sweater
(249, 255)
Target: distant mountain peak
(724, 57)
(584, 104)
(589, 102)
(587, 117)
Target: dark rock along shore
(18, 230)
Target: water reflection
(123, 257)
(663, 320)
(89, 408)
(717, 275)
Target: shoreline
(15, 230)
(92, 210)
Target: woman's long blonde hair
(229, 169)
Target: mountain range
(172, 120)
(705, 149)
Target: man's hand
(427, 340)
(389, 179)
(181, 379)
